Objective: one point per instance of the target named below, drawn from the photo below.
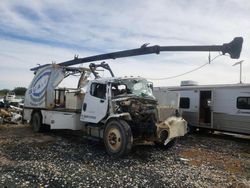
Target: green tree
(3, 92)
(20, 90)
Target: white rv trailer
(215, 107)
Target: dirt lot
(66, 159)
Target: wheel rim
(114, 139)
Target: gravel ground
(66, 159)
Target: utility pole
(239, 63)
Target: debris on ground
(10, 114)
(65, 159)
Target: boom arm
(233, 49)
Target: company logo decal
(38, 88)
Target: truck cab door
(95, 104)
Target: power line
(171, 77)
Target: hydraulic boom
(233, 49)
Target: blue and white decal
(38, 88)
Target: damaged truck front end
(132, 98)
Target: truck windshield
(138, 87)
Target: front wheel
(118, 137)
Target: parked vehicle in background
(10, 96)
(215, 107)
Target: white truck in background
(119, 111)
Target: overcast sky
(39, 32)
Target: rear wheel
(118, 137)
(36, 122)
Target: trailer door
(189, 106)
(205, 108)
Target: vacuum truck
(120, 111)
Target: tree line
(18, 91)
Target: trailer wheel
(118, 137)
(36, 122)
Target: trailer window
(184, 102)
(243, 102)
(98, 90)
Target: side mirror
(150, 85)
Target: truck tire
(36, 122)
(118, 137)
